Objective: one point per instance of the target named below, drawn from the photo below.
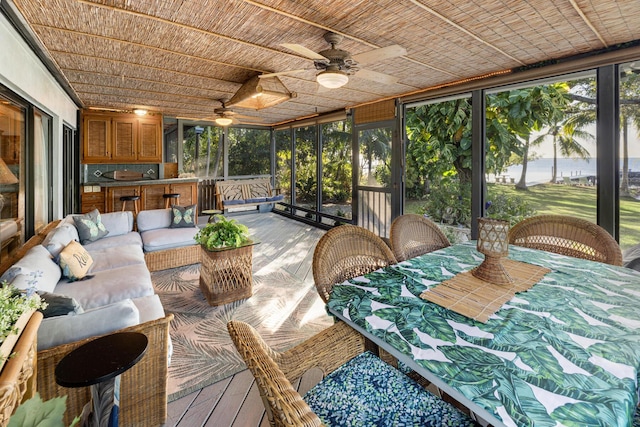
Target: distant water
(541, 170)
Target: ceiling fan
(224, 116)
(336, 65)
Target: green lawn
(568, 200)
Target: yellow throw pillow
(75, 261)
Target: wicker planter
(225, 275)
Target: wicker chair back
(413, 235)
(567, 235)
(345, 252)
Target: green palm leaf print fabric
(566, 352)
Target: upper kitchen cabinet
(121, 138)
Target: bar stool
(168, 197)
(134, 199)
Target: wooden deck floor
(235, 401)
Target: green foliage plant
(36, 412)
(223, 233)
(511, 208)
(13, 303)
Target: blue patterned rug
(284, 310)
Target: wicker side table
(225, 274)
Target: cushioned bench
(244, 192)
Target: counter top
(141, 182)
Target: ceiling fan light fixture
(223, 121)
(332, 79)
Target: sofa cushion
(168, 238)
(59, 305)
(118, 223)
(114, 257)
(131, 238)
(60, 237)
(256, 200)
(109, 286)
(75, 261)
(90, 227)
(59, 330)
(153, 219)
(368, 391)
(35, 270)
(233, 202)
(275, 198)
(183, 216)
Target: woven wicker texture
(412, 235)
(171, 258)
(226, 276)
(17, 378)
(274, 372)
(477, 299)
(180, 57)
(345, 252)
(567, 235)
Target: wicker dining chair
(357, 386)
(412, 235)
(567, 235)
(345, 252)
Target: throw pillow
(183, 216)
(90, 227)
(75, 261)
(35, 270)
(59, 305)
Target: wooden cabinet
(92, 197)
(150, 195)
(121, 138)
(113, 197)
(188, 193)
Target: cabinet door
(149, 141)
(188, 192)
(96, 140)
(113, 197)
(152, 196)
(125, 139)
(92, 200)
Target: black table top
(101, 359)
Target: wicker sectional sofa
(116, 295)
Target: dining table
(564, 352)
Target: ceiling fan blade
(280, 73)
(381, 54)
(298, 48)
(377, 77)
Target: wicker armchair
(567, 235)
(274, 372)
(413, 235)
(345, 252)
(333, 351)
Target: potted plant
(223, 234)
(16, 307)
(225, 261)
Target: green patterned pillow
(90, 227)
(183, 216)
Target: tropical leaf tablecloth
(564, 353)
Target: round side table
(98, 364)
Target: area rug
(284, 311)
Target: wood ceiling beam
(588, 22)
(464, 30)
(343, 34)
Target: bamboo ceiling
(181, 57)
